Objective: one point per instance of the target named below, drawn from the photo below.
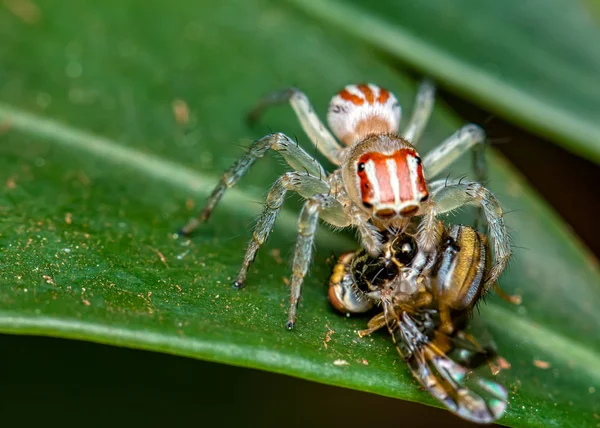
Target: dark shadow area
(565, 180)
(49, 381)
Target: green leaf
(535, 62)
(98, 173)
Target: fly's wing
(471, 397)
(471, 352)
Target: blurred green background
(75, 70)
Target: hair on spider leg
(447, 180)
(504, 213)
(461, 178)
(296, 140)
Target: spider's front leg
(467, 137)
(454, 196)
(303, 184)
(312, 125)
(333, 212)
(293, 154)
(421, 113)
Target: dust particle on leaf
(25, 10)
(540, 364)
(181, 112)
(276, 253)
(160, 256)
(341, 363)
(11, 183)
(327, 336)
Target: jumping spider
(381, 181)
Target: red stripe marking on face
(382, 175)
(366, 187)
(354, 99)
(368, 93)
(407, 189)
(384, 95)
(408, 181)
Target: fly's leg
(421, 113)
(454, 196)
(312, 125)
(307, 227)
(301, 183)
(375, 323)
(297, 158)
(510, 298)
(451, 149)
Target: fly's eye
(370, 273)
(405, 249)
(360, 167)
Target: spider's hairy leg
(451, 149)
(294, 155)
(479, 165)
(421, 112)
(301, 183)
(370, 235)
(333, 212)
(318, 134)
(457, 195)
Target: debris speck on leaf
(160, 256)
(181, 112)
(276, 253)
(540, 364)
(25, 10)
(327, 335)
(341, 363)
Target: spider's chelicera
(381, 181)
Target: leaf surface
(98, 172)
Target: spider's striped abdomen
(361, 110)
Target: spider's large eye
(360, 167)
(418, 160)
